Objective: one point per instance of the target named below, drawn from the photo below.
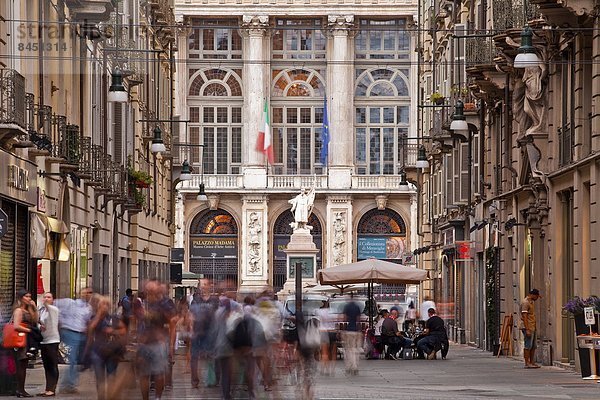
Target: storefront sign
(389, 248)
(213, 246)
(463, 250)
(3, 223)
(18, 177)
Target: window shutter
(448, 196)
(476, 162)
(464, 173)
(176, 138)
(118, 132)
(459, 55)
(456, 175)
(194, 152)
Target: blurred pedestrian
(106, 342)
(156, 333)
(328, 339)
(223, 347)
(126, 304)
(352, 336)
(425, 306)
(410, 316)
(184, 328)
(269, 313)
(203, 310)
(25, 318)
(74, 316)
(49, 315)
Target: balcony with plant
(140, 179)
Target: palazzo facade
(238, 57)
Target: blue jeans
(103, 369)
(76, 342)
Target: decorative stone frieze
(254, 242)
(339, 238)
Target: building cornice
(229, 8)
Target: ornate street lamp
(526, 57)
(186, 171)
(459, 122)
(422, 162)
(157, 143)
(117, 92)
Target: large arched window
(282, 232)
(382, 110)
(215, 113)
(297, 124)
(213, 248)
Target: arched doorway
(281, 237)
(381, 234)
(213, 249)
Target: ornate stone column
(255, 90)
(339, 230)
(340, 69)
(255, 237)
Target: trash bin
(8, 371)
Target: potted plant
(140, 178)
(575, 307)
(139, 198)
(437, 98)
(470, 106)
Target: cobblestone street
(467, 374)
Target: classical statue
(302, 206)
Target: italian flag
(265, 141)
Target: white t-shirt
(49, 319)
(426, 305)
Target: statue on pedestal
(302, 206)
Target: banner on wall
(383, 248)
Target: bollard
(546, 352)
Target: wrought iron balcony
(480, 51)
(513, 14)
(12, 104)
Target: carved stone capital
(340, 24)
(254, 25)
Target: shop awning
(48, 238)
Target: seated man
(392, 337)
(434, 335)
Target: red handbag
(11, 338)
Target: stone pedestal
(300, 249)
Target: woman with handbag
(25, 318)
(106, 345)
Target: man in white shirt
(425, 306)
(49, 315)
(74, 316)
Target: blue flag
(325, 135)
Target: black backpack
(242, 334)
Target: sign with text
(590, 318)
(383, 248)
(213, 247)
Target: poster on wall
(383, 248)
(213, 246)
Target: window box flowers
(140, 178)
(437, 98)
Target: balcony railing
(513, 14)
(12, 99)
(479, 51)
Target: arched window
(380, 127)
(297, 125)
(282, 231)
(219, 82)
(216, 125)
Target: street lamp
(157, 143)
(422, 162)
(201, 193)
(117, 92)
(403, 185)
(459, 122)
(186, 171)
(526, 57)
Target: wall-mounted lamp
(117, 92)
(186, 171)
(459, 122)
(157, 143)
(526, 57)
(422, 162)
(202, 193)
(403, 185)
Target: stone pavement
(468, 373)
